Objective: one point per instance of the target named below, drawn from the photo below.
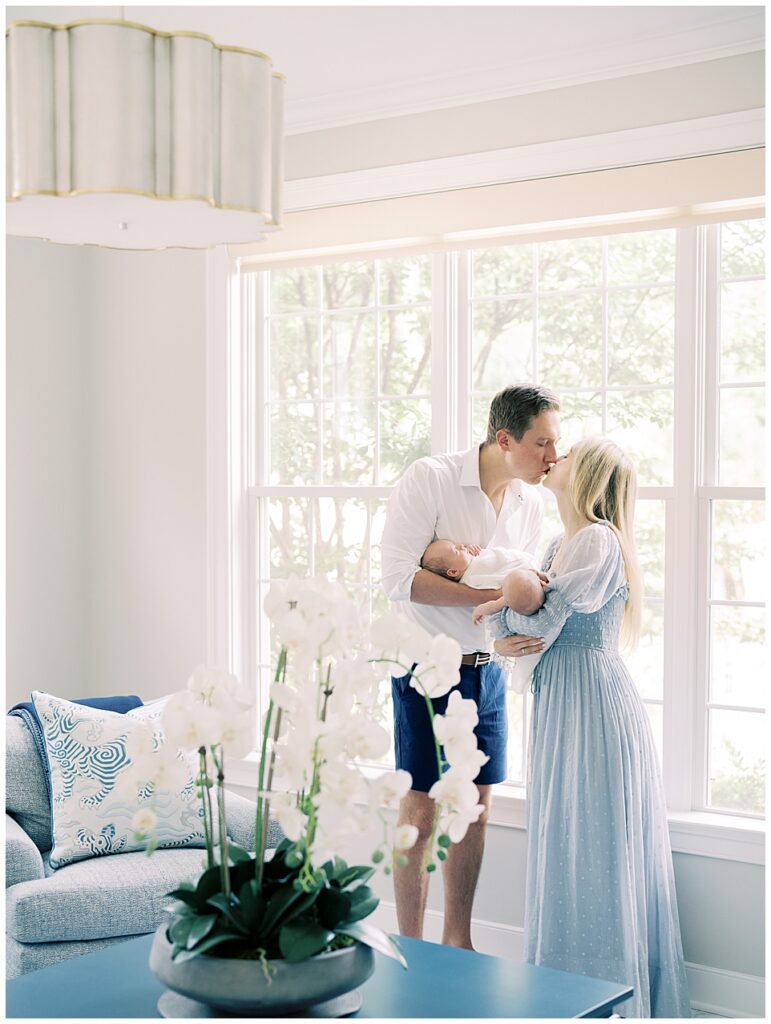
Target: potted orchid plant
(304, 902)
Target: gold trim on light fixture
(143, 28)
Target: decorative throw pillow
(93, 756)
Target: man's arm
(430, 588)
(410, 525)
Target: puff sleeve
(592, 571)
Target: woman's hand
(517, 645)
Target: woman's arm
(547, 622)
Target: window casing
(335, 418)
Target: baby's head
(522, 591)
(446, 558)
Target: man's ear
(503, 440)
(453, 573)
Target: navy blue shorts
(413, 736)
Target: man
(485, 497)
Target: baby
(491, 568)
(488, 569)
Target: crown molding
(679, 140)
(721, 38)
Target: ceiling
(349, 64)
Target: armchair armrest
(23, 860)
(241, 819)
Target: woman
(600, 889)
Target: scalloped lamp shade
(122, 136)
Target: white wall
(106, 470)
(47, 322)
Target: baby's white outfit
(486, 572)
(487, 569)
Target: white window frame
(235, 362)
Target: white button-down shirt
(440, 498)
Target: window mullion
(681, 555)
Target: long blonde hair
(603, 486)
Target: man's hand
(517, 645)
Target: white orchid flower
(189, 724)
(389, 789)
(398, 642)
(289, 816)
(366, 739)
(144, 821)
(405, 837)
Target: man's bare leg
(461, 872)
(411, 881)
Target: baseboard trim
(727, 993)
(713, 990)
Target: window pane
(515, 703)
(405, 435)
(737, 773)
(341, 539)
(349, 442)
(349, 355)
(290, 537)
(738, 550)
(649, 531)
(641, 336)
(580, 416)
(644, 257)
(742, 249)
(739, 672)
(552, 524)
(405, 352)
(742, 447)
(646, 662)
(295, 289)
(641, 422)
(503, 271)
(502, 344)
(480, 411)
(349, 284)
(742, 332)
(656, 718)
(405, 281)
(378, 511)
(573, 263)
(294, 358)
(294, 444)
(570, 340)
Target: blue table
(440, 982)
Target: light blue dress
(600, 887)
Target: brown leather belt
(476, 659)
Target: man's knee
(417, 808)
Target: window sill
(699, 833)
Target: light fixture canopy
(123, 136)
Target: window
(367, 364)
(732, 509)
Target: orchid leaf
(200, 929)
(370, 935)
(179, 955)
(238, 854)
(302, 939)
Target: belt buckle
(482, 658)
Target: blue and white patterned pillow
(92, 807)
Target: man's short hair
(515, 408)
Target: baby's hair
(434, 564)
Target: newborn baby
(488, 569)
(491, 568)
